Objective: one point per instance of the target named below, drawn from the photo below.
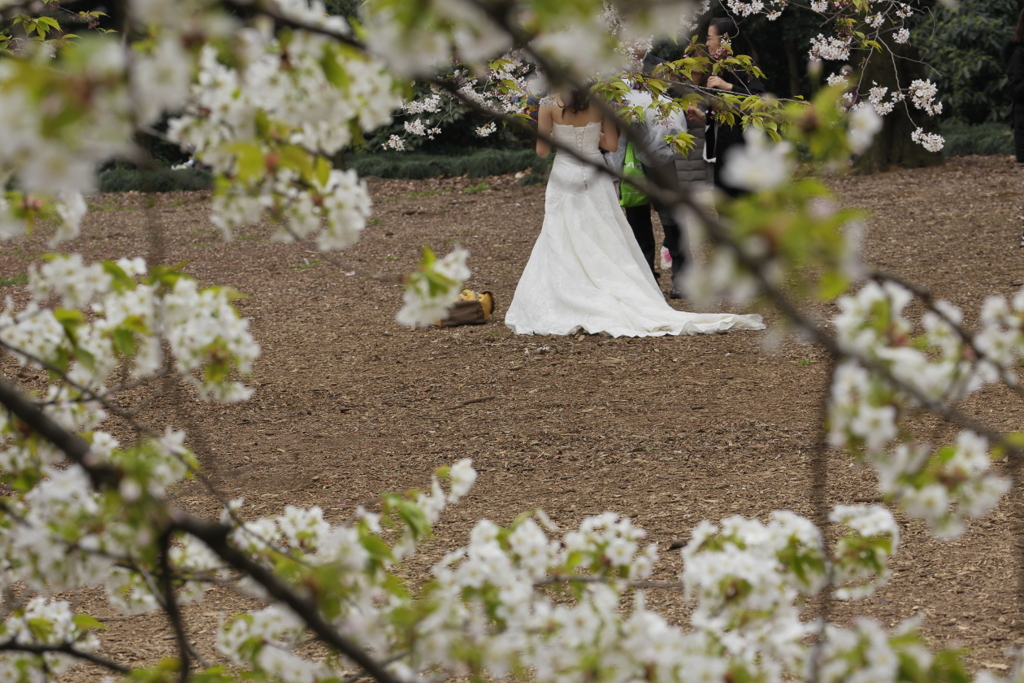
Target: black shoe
(676, 294)
(1022, 241)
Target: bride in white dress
(586, 272)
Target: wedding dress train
(586, 272)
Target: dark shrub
(163, 180)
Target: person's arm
(544, 127)
(738, 84)
(609, 134)
(752, 85)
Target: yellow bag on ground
(472, 308)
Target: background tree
(781, 46)
(961, 48)
(894, 146)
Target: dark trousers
(1018, 140)
(639, 219)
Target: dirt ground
(668, 431)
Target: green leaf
(166, 275)
(87, 621)
(61, 363)
(216, 371)
(379, 550)
(135, 324)
(295, 157)
(250, 162)
(122, 282)
(124, 341)
(322, 171)
(334, 72)
(40, 628)
(69, 318)
(414, 518)
(263, 126)
(84, 357)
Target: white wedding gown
(586, 272)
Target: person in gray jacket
(691, 172)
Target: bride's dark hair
(578, 100)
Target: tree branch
(272, 10)
(64, 648)
(215, 536)
(171, 607)
(72, 445)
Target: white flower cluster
(922, 93)
(772, 9)
(487, 607)
(428, 105)
(500, 88)
(421, 46)
(830, 48)
(274, 631)
(867, 550)
(866, 653)
(933, 142)
(1001, 337)
(760, 164)
(902, 36)
(394, 142)
(431, 290)
(203, 331)
(741, 573)
(42, 622)
(876, 96)
(865, 411)
(160, 79)
(54, 157)
(62, 534)
(864, 123)
(749, 577)
(745, 8)
(837, 79)
(486, 604)
(268, 126)
(417, 127)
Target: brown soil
(668, 431)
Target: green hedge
(986, 138)
(481, 164)
(163, 180)
(961, 139)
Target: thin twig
(64, 648)
(272, 10)
(90, 394)
(1011, 381)
(171, 607)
